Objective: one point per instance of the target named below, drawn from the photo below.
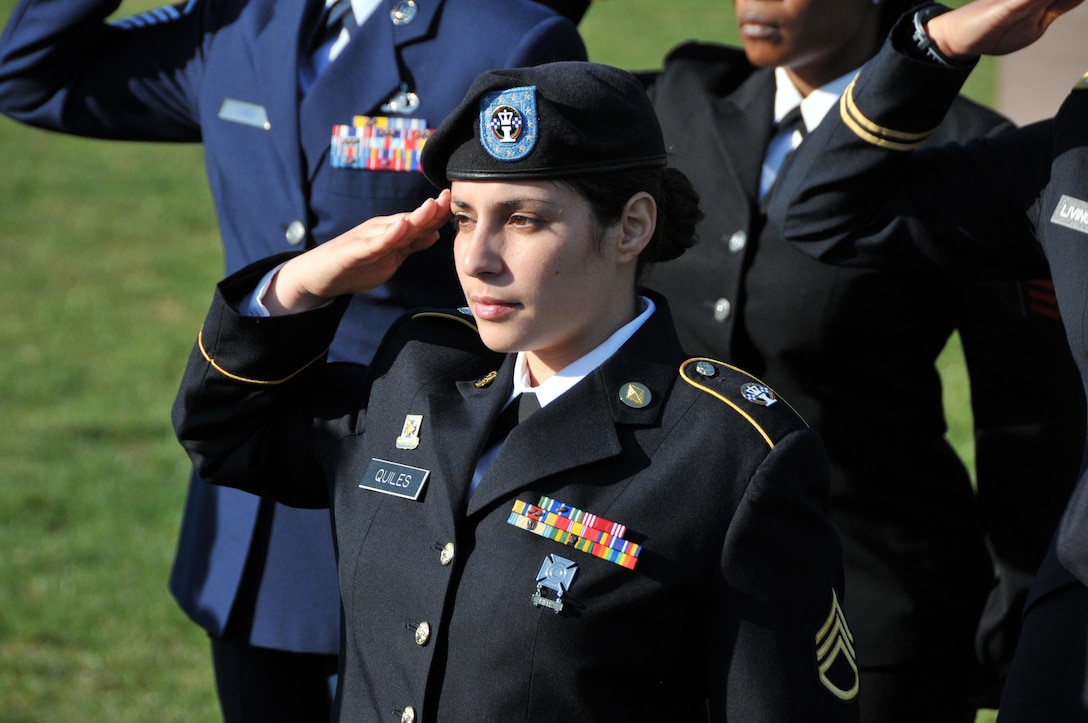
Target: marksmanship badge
(556, 574)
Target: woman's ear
(637, 224)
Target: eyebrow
(511, 204)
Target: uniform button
(404, 12)
(296, 233)
(722, 309)
(423, 634)
(446, 556)
(408, 715)
(738, 241)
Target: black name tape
(394, 479)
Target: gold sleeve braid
(873, 133)
(271, 382)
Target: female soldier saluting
(650, 545)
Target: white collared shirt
(813, 110)
(562, 381)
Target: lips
(756, 27)
(490, 309)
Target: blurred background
(108, 256)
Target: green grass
(108, 254)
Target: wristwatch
(923, 44)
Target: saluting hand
(995, 27)
(358, 260)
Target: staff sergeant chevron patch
(835, 658)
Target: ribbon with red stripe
(574, 528)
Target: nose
(477, 251)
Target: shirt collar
(556, 385)
(361, 9)
(813, 108)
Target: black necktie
(792, 121)
(515, 412)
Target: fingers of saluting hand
(995, 27)
(358, 260)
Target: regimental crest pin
(508, 123)
(553, 581)
(758, 394)
(409, 434)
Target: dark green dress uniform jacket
(732, 608)
(854, 350)
(1004, 205)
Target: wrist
(925, 44)
(285, 296)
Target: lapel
(275, 56)
(581, 427)
(741, 123)
(361, 79)
(462, 417)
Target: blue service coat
(164, 76)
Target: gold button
(738, 241)
(446, 556)
(723, 309)
(423, 634)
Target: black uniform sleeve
(860, 192)
(241, 412)
(791, 656)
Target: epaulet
(704, 52)
(717, 68)
(770, 415)
(461, 316)
(158, 16)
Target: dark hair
(890, 12)
(677, 207)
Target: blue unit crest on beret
(508, 123)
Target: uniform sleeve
(1027, 448)
(862, 192)
(1027, 445)
(790, 656)
(551, 40)
(243, 407)
(64, 67)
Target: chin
(496, 340)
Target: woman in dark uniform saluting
(650, 545)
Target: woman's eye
(518, 221)
(461, 222)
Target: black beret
(556, 120)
